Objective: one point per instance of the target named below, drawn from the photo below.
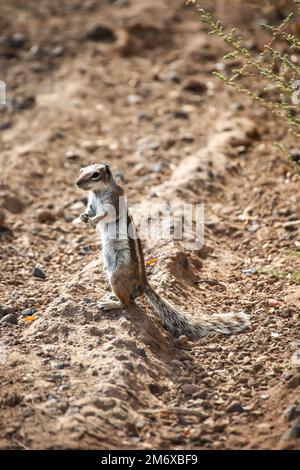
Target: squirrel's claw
(84, 217)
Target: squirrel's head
(94, 177)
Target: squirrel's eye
(95, 175)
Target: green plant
(273, 70)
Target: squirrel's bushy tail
(179, 324)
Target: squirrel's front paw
(84, 217)
(93, 221)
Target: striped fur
(179, 324)
(124, 260)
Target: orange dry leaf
(151, 262)
(30, 318)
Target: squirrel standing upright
(124, 260)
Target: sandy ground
(138, 92)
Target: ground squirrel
(124, 259)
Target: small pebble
(10, 318)
(5, 310)
(187, 139)
(249, 271)
(72, 155)
(43, 216)
(195, 86)
(99, 33)
(294, 431)
(294, 381)
(190, 389)
(13, 204)
(2, 218)
(180, 115)
(234, 407)
(39, 273)
(63, 387)
(58, 366)
(291, 412)
(274, 303)
(158, 167)
(253, 227)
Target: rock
(43, 216)
(156, 389)
(249, 271)
(187, 139)
(180, 115)
(72, 155)
(190, 389)
(22, 103)
(10, 318)
(291, 412)
(90, 145)
(234, 407)
(95, 331)
(16, 41)
(195, 86)
(142, 353)
(58, 366)
(63, 387)
(263, 428)
(251, 382)
(129, 365)
(181, 340)
(13, 204)
(101, 33)
(133, 99)
(295, 155)
(2, 218)
(86, 250)
(39, 273)
(142, 116)
(57, 51)
(171, 76)
(274, 303)
(153, 193)
(6, 310)
(28, 312)
(176, 364)
(140, 169)
(11, 399)
(294, 431)
(294, 382)
(121, 357)
(231, 356)
(253, 227)
(212, 347)
(287, 375)
(102, 403)
(27, 413)
(157, 167)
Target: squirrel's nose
(78, 182)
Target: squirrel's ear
(107, 169)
